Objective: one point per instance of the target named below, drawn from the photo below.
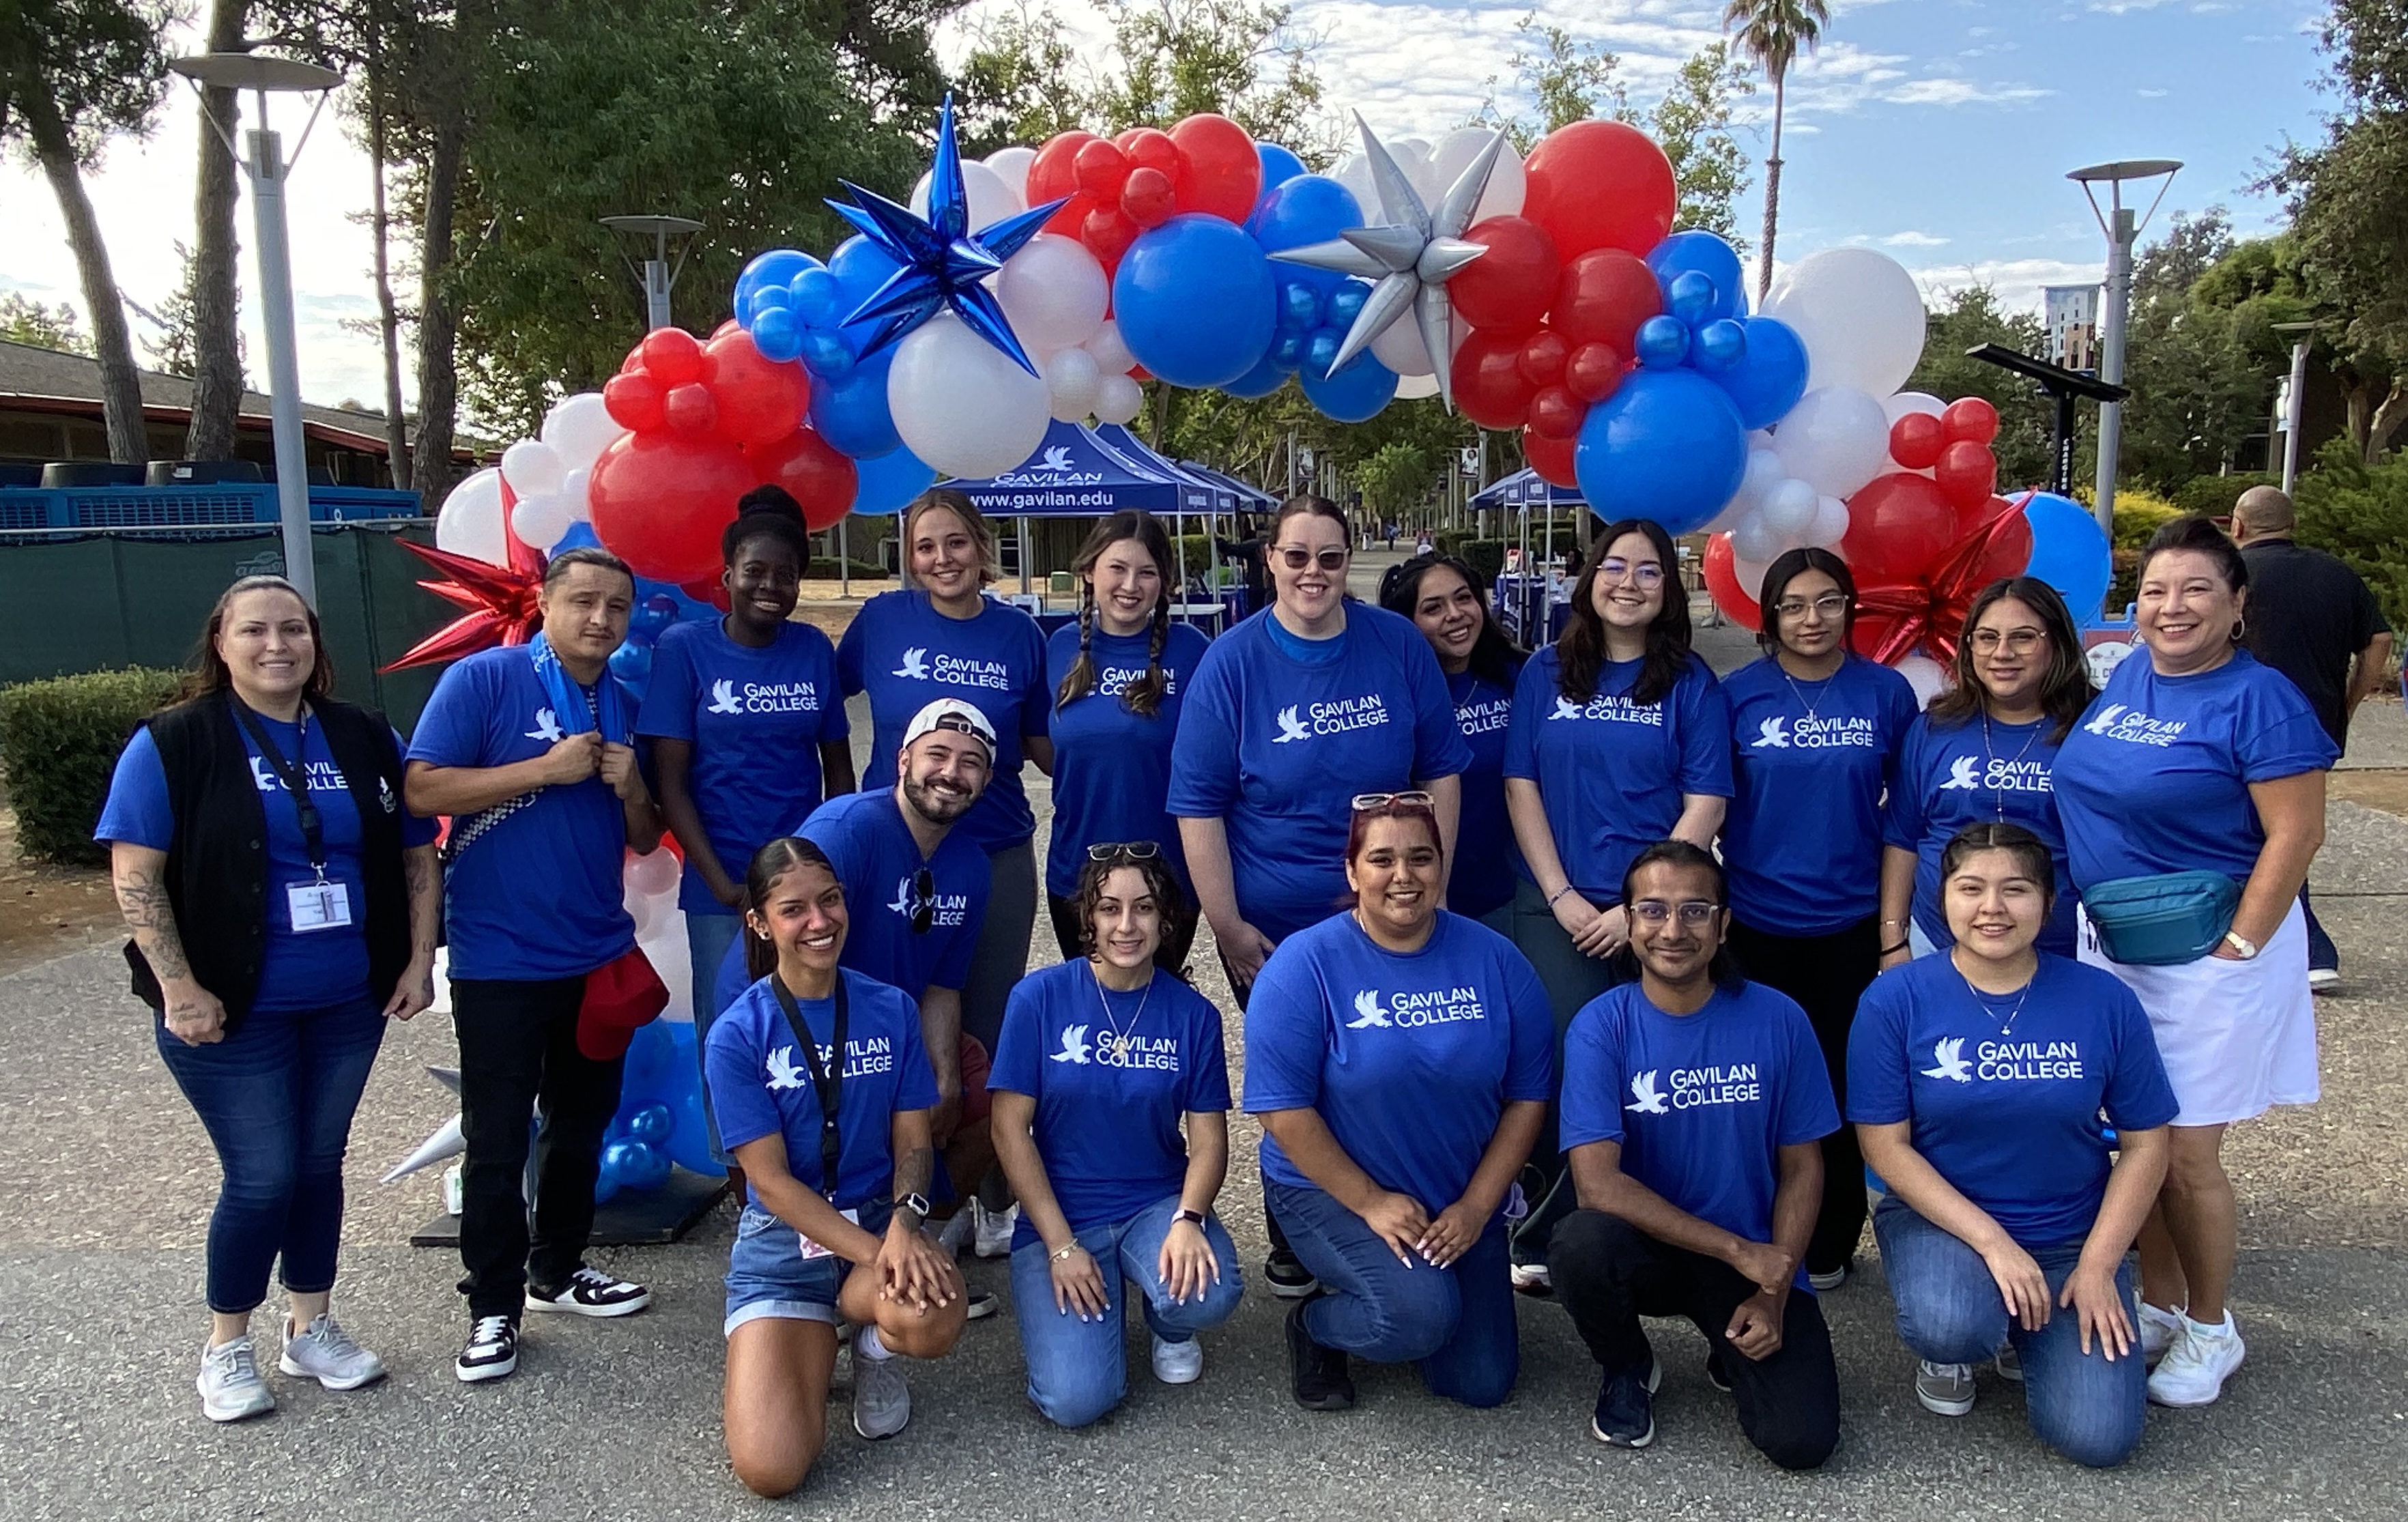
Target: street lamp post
(2294, 403)
(267, 168)
(659, 275)
(2123, 229)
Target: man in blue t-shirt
(530, 750)
(1694, 1103)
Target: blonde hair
(958, 503)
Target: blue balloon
(1299, 306)
(1716, 346)
(1194, 301)
(654, 614)
(650, 1124)
(1771, 376)
(1264, 378)
(2068, 553)
(1355, 393)
(1703, 253)
(816, 297)
(635, 1165)
(632, 664)
(1691, 297)
(860, 268)
(1279, 167)
(1286, 351)
(824, 353)
(890, 482)
(768, 298)
(1662, 342)
(1667, 445)
(1320, 347)
(850, 412)
(1346, 303)
(777, 335)
(1304, 208)
(776, 267)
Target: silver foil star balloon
(1410, 258)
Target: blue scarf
(610, 710)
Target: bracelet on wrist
(1557, 894)
(1892, 950)
(1062, 1254)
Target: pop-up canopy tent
(1249, 498)
(1524, 600)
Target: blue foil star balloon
(944, 262)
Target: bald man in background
(2310, 617)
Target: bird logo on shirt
(1074, 1046)
(1368, 1012)
(1962, 774)
(2106, 719)
(1291, 727)
(547, 728)
(262, 777)
(1565, 709)
(384, 796)
(915, 664)
(782, 1071)
(902, 904)
(1647, 1098)
(1952, 1067)
(723, 697)
(1769, 736)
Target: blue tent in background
(1073, 474)
(1197, 495)
(1249, 498)
(1498, 492)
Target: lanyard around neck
(313, 829)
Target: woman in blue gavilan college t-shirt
(1117, 678)
(1104, 1057)
(1976, 1079)
(945, 638)
(1817, 731)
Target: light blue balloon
(2070, 553)
(777, 335)
(1770, 376)
(1264, 378)
(1193, 299)
(1663, 341)
(890, 482)
(1690, 297)
(1355, 393)
(1703, 253)
(850, 412)
(1667, 445)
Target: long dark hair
(1169, 901)
(1580, 650)
(1145, 695)
(1723, 970)
(2064, 692)
(1495, 659)
(1787, 567)
(771, 863)
(205, 674)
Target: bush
(2212, 496)
(59, 741)
(2360, 512)
(2140, 514)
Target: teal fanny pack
(2163, 920)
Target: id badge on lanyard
(813, 1249)
(319, 904)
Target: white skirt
(2237, 1037)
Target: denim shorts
(770, 1279)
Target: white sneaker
(230, 1384)
(993, 1229)
(2160, 1329)
(881, 1397)
(2194, 1370)
(2323, 980)
(1944, 1390)
(1178, 1363)
(1828, 1280)
(1532, 1278)
(325, 1352)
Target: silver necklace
(1119, 1043)
(1811, 716)
(1998, 797)
(2007, 1029)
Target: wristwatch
(1193, 1217)
(2243, 945)
(916, 1204)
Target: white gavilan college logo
(1291, 727)
(1648, 1100)
(1694, 1088)
(1367, 1012)
(1074, 1046)
(2106, 719)
(1769, 735)
(2118, 722)
(782, 1071)
(915, 664)
(1415, 1008)
(1302, 721)
(1952, 1064)
(1963, 773)
(723, 697)
(547, 728)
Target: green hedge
(59, 741)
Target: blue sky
(1939, 130)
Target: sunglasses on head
(1380, 800)
(1296, 556)
(1124, 851)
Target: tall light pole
(658, 275)
(266, 167)
(2123, 230)
(2294, 399)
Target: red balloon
(1722, 582)
(1055, 175)
(2008, 553)
(759, 402)
(1108, 234)
(819, 477)
(1102, 170)
(690, 412)
(723, 330)
(633, 399)
(1594, 371)
(715, 591)
(1489, 387)
(1971, 420)
(1917, 440)
(1966, 474)
(1555, 414)
(1147, 199)
(671, 355)
(633, 362)
(1542, 357)
(1552, 458)
(1149, 148)
(1899, 528)
(1600, 185)
(1602, 296)
(1511, 286)
(1224, 174)
(660, 503)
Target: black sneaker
(491, 1353)
(1625, 1410)
(1318, 1373)
(1716, 1375)
(590, 1292)
(1289, 1279)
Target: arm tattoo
(912, 1172)
(424, 887)
(142, 897)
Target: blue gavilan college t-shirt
(1408, 1059)
(1950, 776)
(1811, 760)
(1111, 1074)
(312, 969)
(539, 894)
(2155, 777)
(1277, 748)
(2005, 1093)
(1112, 768)
(1701, 1103)
(905, 654)
(756, 719)
(1485, 858)
(761, 1085)
(1613, 774)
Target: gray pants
(1001, 957)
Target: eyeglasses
(1695, 914)
(1296, 556)
(923, 902)
(1124, 851)
(2018, 641)
(1366, 801)
(1646, 573)
(1829, 605)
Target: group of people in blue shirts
(1583, 973)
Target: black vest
(217, 863)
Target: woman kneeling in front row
(1976, 1080)
(823, 1091)
(1100, 1061)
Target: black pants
(1608, 1273)
(1826, 975)
(1071, 936)
(518, 1046)
(1243, 991)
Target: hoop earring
(2240, 628)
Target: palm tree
(1773, 33)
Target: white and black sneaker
(491, 1353)
(590, 1292)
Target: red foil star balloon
(501, 600)
(1929, 610)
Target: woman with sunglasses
(1117, 676)
(1816, 732)
(1401, 1058)
(1981, 755)
(1104, 1057)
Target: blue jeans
(1077, 1370)
(1457, 1323)
(277, 1099)
(1949, 1311)
(2323, 956)
(708, 935)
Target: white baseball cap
(955, 714)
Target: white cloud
(2151, 94)
(1912, 240)
(2016, 282)
(1962, 92)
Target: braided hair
(1145, 695)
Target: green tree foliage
(1393, 479)
(1773, 33)
(2359, 511)
(1970, 318)
(2198, 390)
(44, 327)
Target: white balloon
(1412, 388)
(961, 403)
(990, 197)
(1927, 676)
(1749, 573)
(1754, 539)
(470, 523)
(1119, 399)
(532, 467)
(1788, 508)
(1111, 354)
(541, 520)
(1507, 186)
(579, 428)
(1764, 472)
(1053, 291)
(1011, 165)
(1355, 173)
(1835, 439)
(1830, 523)
(1071, 380)
(575, 489)
(1859, 314)
(1900, 403)
(1400, 347)
(653, 873)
